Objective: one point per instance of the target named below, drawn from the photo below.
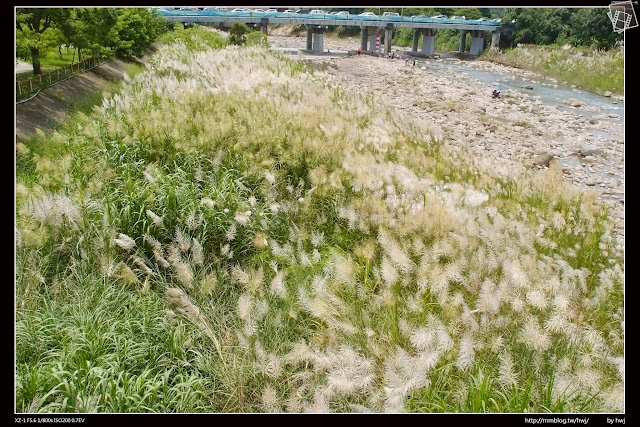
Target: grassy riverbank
(596, 71)
(231, 232)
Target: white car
(288, 11)
(458, 17)
(367, 14)
(318, 12)
(342, 12)
(439, 17)
(391, 14)
(240, 10)
(271, 11)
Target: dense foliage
(105, 32)
(577, 26)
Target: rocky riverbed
(586, 142)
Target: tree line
(103, 32)
(578, 26)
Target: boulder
(542, 159)
(573, 102)
(589, 150)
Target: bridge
(371, 27)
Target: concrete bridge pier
(495, 39)
(363, 40)
(429, 41)
(477, 42)
(463, 41)
(388, 35)
(264, 25)
(317, 39)
(373, 37)
(416, 37)
(309, 36)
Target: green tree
(36, 31)
(136, 29)
(592, 27)
(237, 34)
(92, 30)
(257, 38)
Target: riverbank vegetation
(232, 232)
(594, 70)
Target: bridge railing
(227, 14)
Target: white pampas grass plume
(260, 240)
(506, 375)
(155, 218)
(466, 354)
(619, 363)
(319, 405)
(181, 303)
(207, 202)
(388, 271)
(231, 233)
(183, 241)
(197, 252)
(269, 399)
(143, 266)
(184, 273)
(317, 238)
(242, 217)
(277, 286)
(226, 251)
(537, 299)
(270, 178)
(125, 242)
(245, 305)
(350, 372)
(533, 336)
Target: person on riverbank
(496, 93)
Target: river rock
(528, 86)
(607, 94)
(589, 150)
(542, 159)
(573, 102)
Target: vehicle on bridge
(439, 16)
(318, 12)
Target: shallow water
(543, 90)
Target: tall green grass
(597, 71)
(233, 232)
